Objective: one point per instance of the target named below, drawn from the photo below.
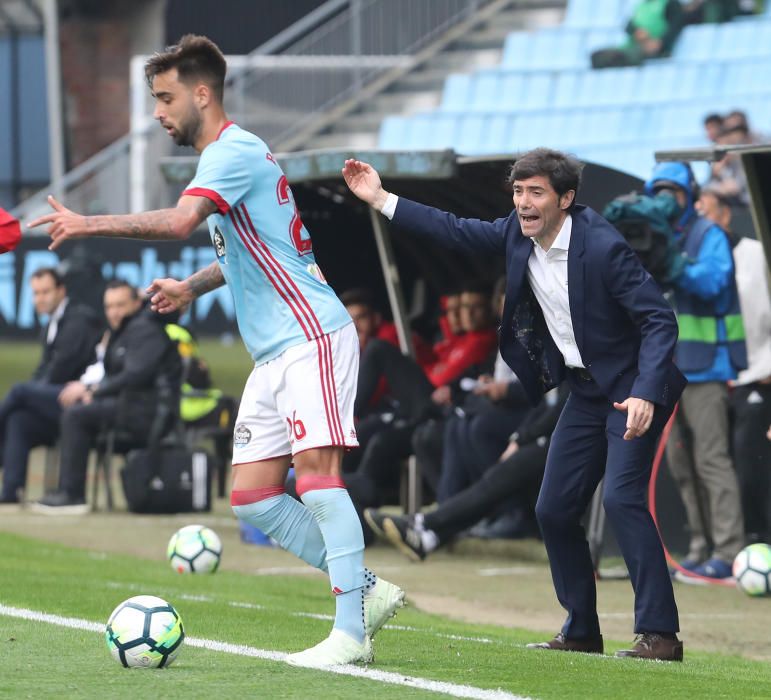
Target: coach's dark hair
(563, 171)
(51, 272)
(121, 284)
(196, 58)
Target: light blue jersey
(264, 251)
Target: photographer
(710, 352)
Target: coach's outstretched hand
(168, 295)
(363, 180)
(64, 224)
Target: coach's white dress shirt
(547, 271)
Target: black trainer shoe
(401, 533)
(60, 503)
(375, 520)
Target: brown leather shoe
(650, 645)
(562, 643)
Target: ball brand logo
(241, 436)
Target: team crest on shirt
(315, 271)
(241, 436)
(219, 244)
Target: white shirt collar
(562, 241)
(59, 311)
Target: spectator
(517, 473)
(750, 400)
(713, 125)
(141, 362)
(728, 177)
(652, 30)
(68, 346)
(710, 351)
(710, 11)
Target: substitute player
(297, 405)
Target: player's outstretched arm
(175, 223)
(363, 180)
(167, 295)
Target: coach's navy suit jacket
(624, 328)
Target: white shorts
(300, 400)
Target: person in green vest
(652, 29)
(710, 351)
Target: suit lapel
(576, 263)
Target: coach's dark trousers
(29, 416)
(587, 445)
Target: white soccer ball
(194, 549)
(144, 632)
(752, 570)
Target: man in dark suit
(26, 418)
(580, 306)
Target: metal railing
(275, 91)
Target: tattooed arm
(167, 295)
(175, 223)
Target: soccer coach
(579, 305)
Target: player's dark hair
(121, 284)
(563, 171)
(51, 272)
(196, 58)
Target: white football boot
(380, 604)
(337, 649)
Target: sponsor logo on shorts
(241, 436)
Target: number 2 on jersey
(284, 194)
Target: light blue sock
(344, 541)
(291, 524)
(294, 527)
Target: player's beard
(189, 128)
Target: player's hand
(363, 180)
(168, 295)
(639, 415)
(63, 224)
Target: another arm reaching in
(168, 295)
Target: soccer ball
(194, 549)
(144, 632)
(752, 569)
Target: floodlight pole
(393, 283)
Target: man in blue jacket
(710, 351)
(579, 306)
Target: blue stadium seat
(512, 91)
(485, 94)
(392, 134)
(516, 49)
(696, 43)
(595, 13)
(763, 37)
(537, 91)
(742, 76)
(658, 82)
(736, 40)
(455, 94)
(442, 134)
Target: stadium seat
(392, 133)
(516, 49)
(696, 43)
(457, 88)
(737, 40)
(595, 13)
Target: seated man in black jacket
(140, 357)
(69, 338)
(519, 468)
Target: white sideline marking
(457, 691)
